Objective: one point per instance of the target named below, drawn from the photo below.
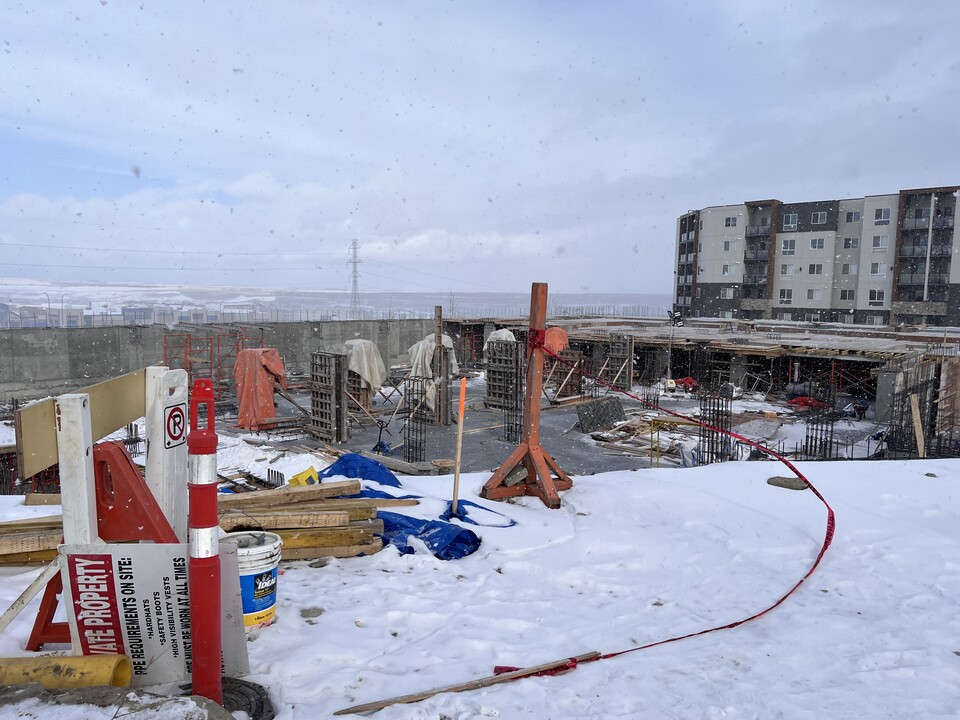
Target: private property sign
(135, 600)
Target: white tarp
(363, 358)
(421, 357)
(499, 336)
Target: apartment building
(876, 260)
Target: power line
(139, 251)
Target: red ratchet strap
(536, 337)
(827, 538)
(571, 664)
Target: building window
(786, 296)
(814, 294)
(878, 268)
(881, 216)
(816, 268)
(818, 218)
(787, 270)
(699, 292)
(730, 222)
(726, 293)
(726, 314)
(848, 269)
(816, 243)
(790, 221)
(789, 246)
(847, 295)
(726, 270)
(876, 298)
(729, 245)
(850, 243)
(853, 216)
(879, 243)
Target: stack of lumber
(314, 521)
(31, 541)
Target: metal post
(204, 569)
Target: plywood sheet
(113, 404)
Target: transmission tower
(355, 282)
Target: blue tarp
(489, 516)
(352, 465)
(445, 540)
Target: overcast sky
(480, 145)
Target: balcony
(756, 255)
(757, 230)
(754, 279)
(917, 279)
(936, 250)
(939, 223)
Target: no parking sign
(174, 425)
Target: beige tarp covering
(255, 373)
(363, 358)
(421, 364)
(421, 357)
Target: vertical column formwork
(415, 408)
(713, 444)
(328, 397)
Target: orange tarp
(555, 339)
(255, 373)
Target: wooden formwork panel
(503, 363)
(360, 396)
(618, 368)
(328, 397)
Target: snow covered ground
(631, 558)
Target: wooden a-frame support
(541, 468)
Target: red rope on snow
(827, 538)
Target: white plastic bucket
(258, 555)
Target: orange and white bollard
(204, 532)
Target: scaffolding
(210, 355)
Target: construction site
(308, 415)
(336, 381)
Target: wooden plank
(336, 552)
(399, 465)
(113, 404)
(47, 522)
(39, 557)
(469, 685)
(324, 537)
(27, 595)
(232, 520)
(285, 495)
(917, 425)
(32, 499)
(30, 541)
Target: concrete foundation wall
(37, 362)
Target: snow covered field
(631, 558)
